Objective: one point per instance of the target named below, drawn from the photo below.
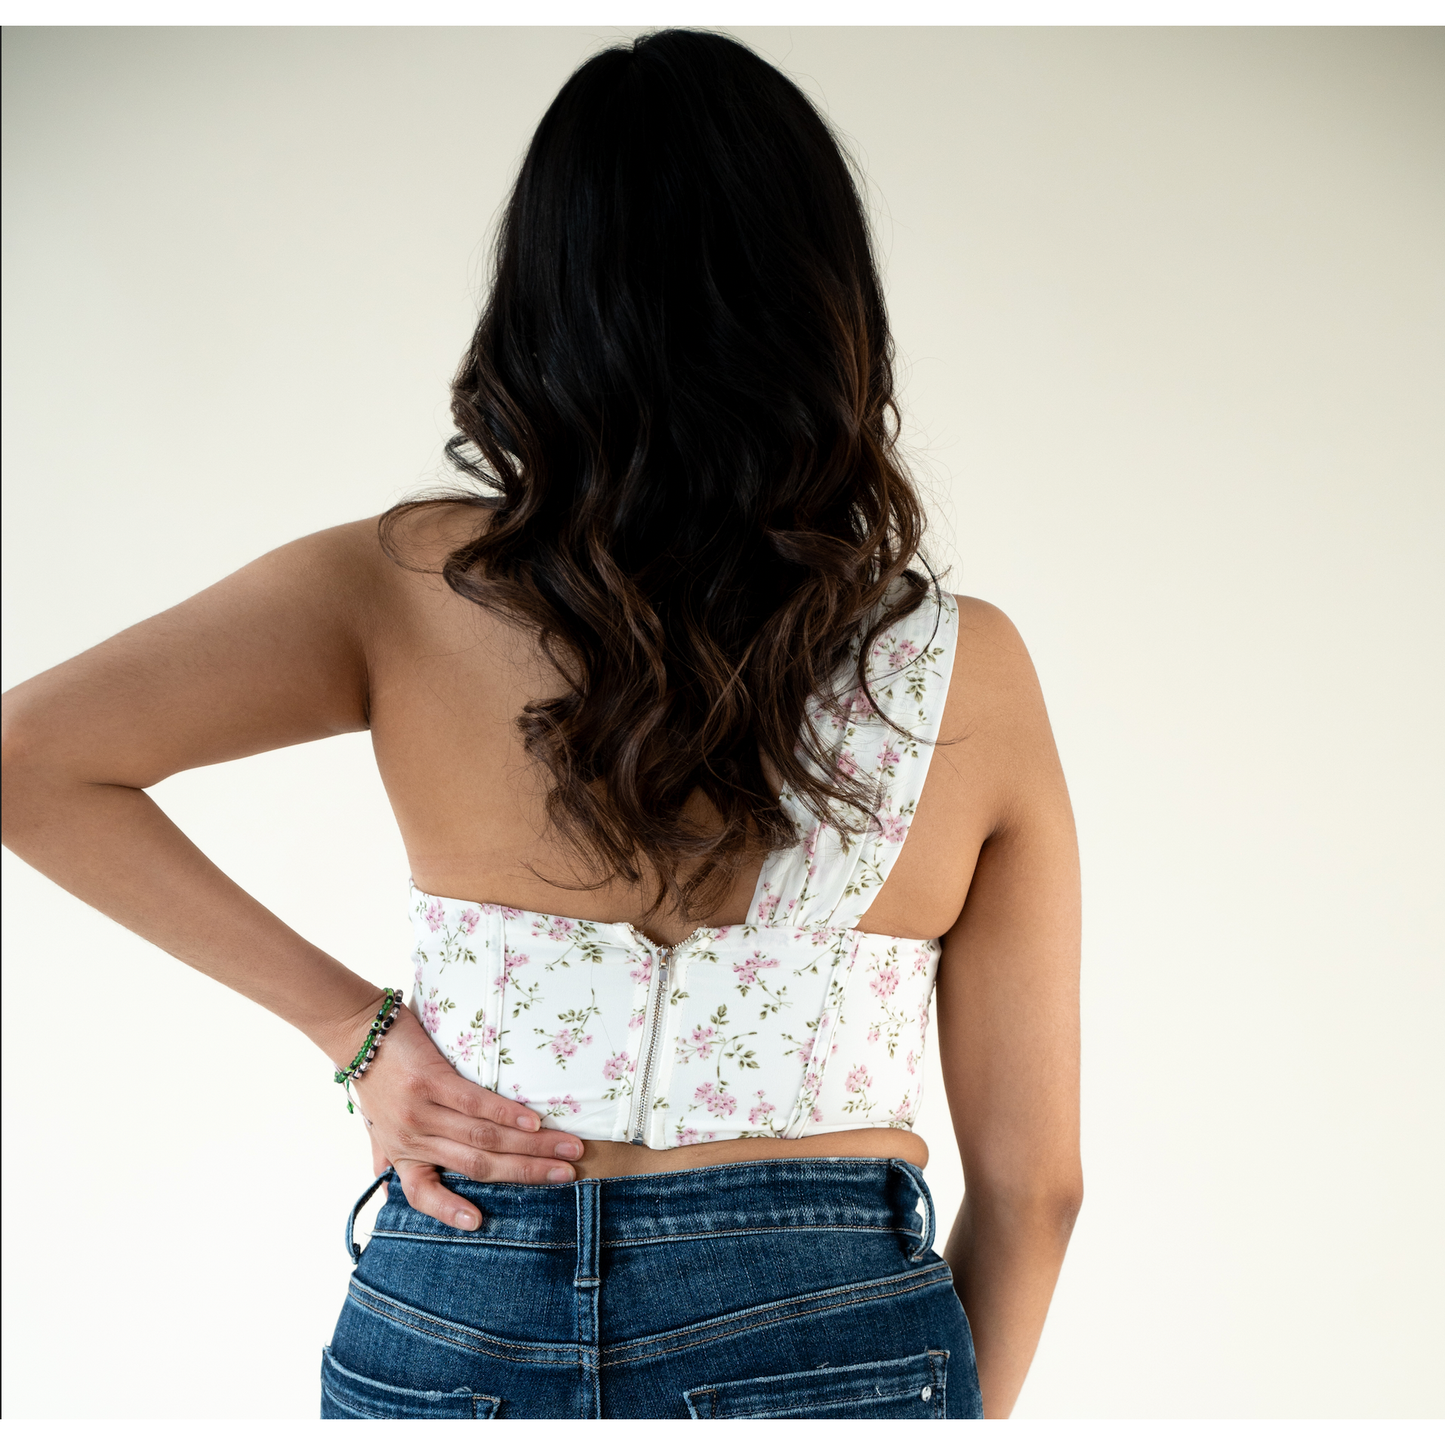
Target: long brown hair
(678, 405)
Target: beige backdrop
(1170, 309)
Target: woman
(703, 783)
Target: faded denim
(802, 1289)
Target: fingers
(515, 1122)
(427, 1195)
(465, 1097)
(486, 1167)
(426, 1115)
(418, 1071)
(489, 1138)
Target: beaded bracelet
(385, 1017)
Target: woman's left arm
(1008, 1013)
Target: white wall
(1171, 308)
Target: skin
(327, 635)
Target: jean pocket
(345, 1395)
(907, 1389)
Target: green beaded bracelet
(385, 1016)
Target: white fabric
(792, 1023)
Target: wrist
(341, 1034)
(365, 1056)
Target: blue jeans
(802, 1289)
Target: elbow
(1054, 1205)
(17, 743)
(1065, 1204)
(24, 765)
(23, 728)
(1043, 1204)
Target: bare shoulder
(371, 567)
(421, 537)
(373, 547)
(987, 635)
(339, 563)
(993, 674)
(281, 651)
(996, 727)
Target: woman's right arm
(271, 656)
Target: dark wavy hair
(679, 407)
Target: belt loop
(923, 1206)
(351, 1246)
(589, 1233)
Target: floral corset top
(792, 1023)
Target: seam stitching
(347, 1405)
(472, 1339)
(629, 1354)
(407, 1318)
(763, 1229)
(420, 1237)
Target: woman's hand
(424, 1117)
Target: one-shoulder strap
(828, 880)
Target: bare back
(447, 682)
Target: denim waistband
(784, 1194)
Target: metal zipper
(647, 1067)
(649, 1062)
(669, 948)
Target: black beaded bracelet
(385, 1017)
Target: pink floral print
(791, 1023)
(565, 1042)
(715, 1100)
(901, 654)
(747, 970)
(499, 910)
(885, 981)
